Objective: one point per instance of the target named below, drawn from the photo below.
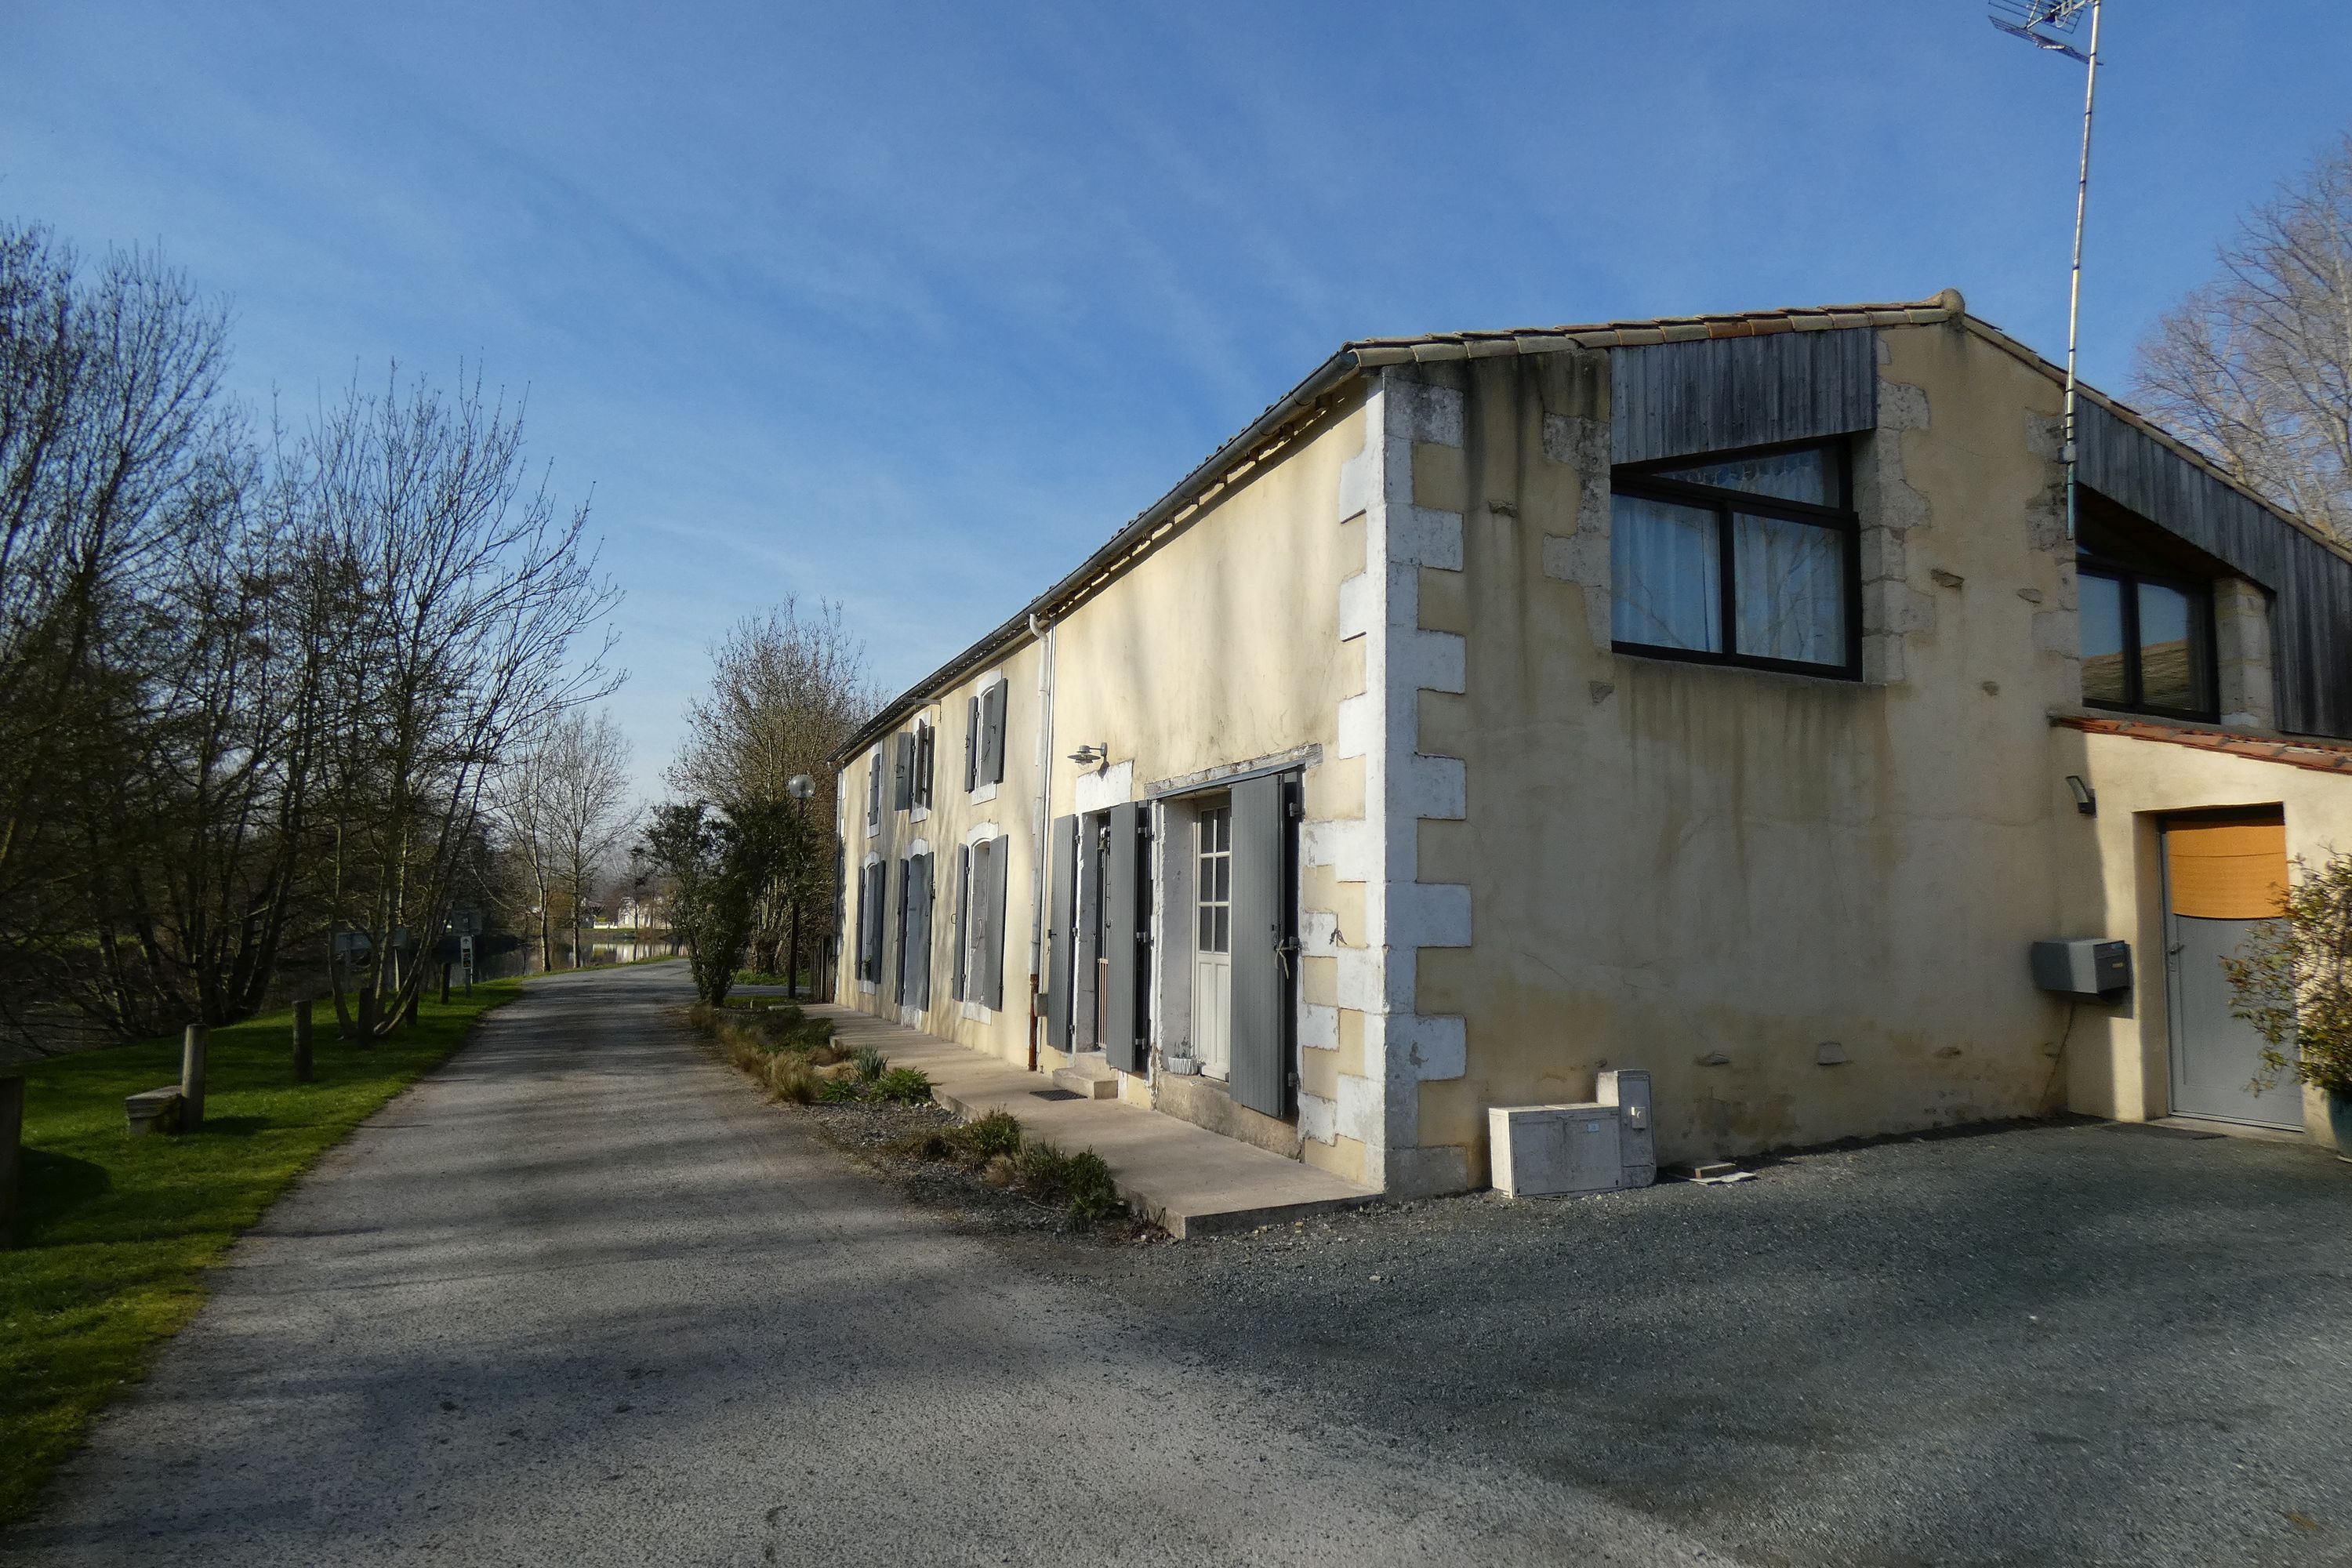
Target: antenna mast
(2050, 25)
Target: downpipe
(1044, 633)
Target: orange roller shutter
(2226, 871)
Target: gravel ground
(2054, 1343)
(580, 1298)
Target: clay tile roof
(2320, 756)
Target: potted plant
(2291, 980)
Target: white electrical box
(2088, 967)
(1541, 1151)
(1548, 1151)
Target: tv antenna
(2050, 24)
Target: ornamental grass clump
(2291, 980)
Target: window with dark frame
(1749, 558)
(2148, 639)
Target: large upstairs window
(2147, 618)
(2147, 641)
(1749, 558)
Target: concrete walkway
(1183, 1178)
(580, 1299)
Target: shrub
(869, 1062)
(998, 1133)
(792, 1079)
(903, 1085)
(1042, 1168)
(2291, 980)
(838, 1091)
(1088, 1190)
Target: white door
(2223, 878)
(1212, 941)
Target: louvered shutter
(991, 734)
(1264, 956)
(991, 957)
(870, 924)
(898, 933)
(972, 746)
(902, 770)
(915, 964)
(874, 788)
(1061, 932)
(926, 739)
(963, 917)
(1124, 933)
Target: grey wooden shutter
(1061, 932)
(926, 739)
(869, 923)
(963, 916)
(1123, 936)
(992, 960)
(902, 770)
(984, 921)
(1085, 999)
(898, 938)
(873, 789)
(991, 734)
(972, 746)
(1263, 955)
(916, 962)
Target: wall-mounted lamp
(1092, 754)
(2086, 799)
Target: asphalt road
(580, 1298)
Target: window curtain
(1666, 588)
(1791, 582)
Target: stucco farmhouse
(1719, 697)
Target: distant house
(1721, 696)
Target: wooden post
(445, 983)
(12, 1164)
(302, 1041)
(408, 1013)
(191, 1079)
(367, 1017)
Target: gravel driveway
(2073, 1343)
(580, 1298)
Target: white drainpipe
(1045, 635)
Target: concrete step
(1088, 1077)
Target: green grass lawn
(117, 1234)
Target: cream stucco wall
(1803, 904)
(1217, 649)
(2117, 1059)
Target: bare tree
(520, 797)
(113, 444)
(2256, 367)
(467, 586)
(587, 773)
(786, 688)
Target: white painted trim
(1103, 788)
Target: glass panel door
(1213, 939)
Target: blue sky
(911, 306)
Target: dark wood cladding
(1715, 394)
(2310, 584)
